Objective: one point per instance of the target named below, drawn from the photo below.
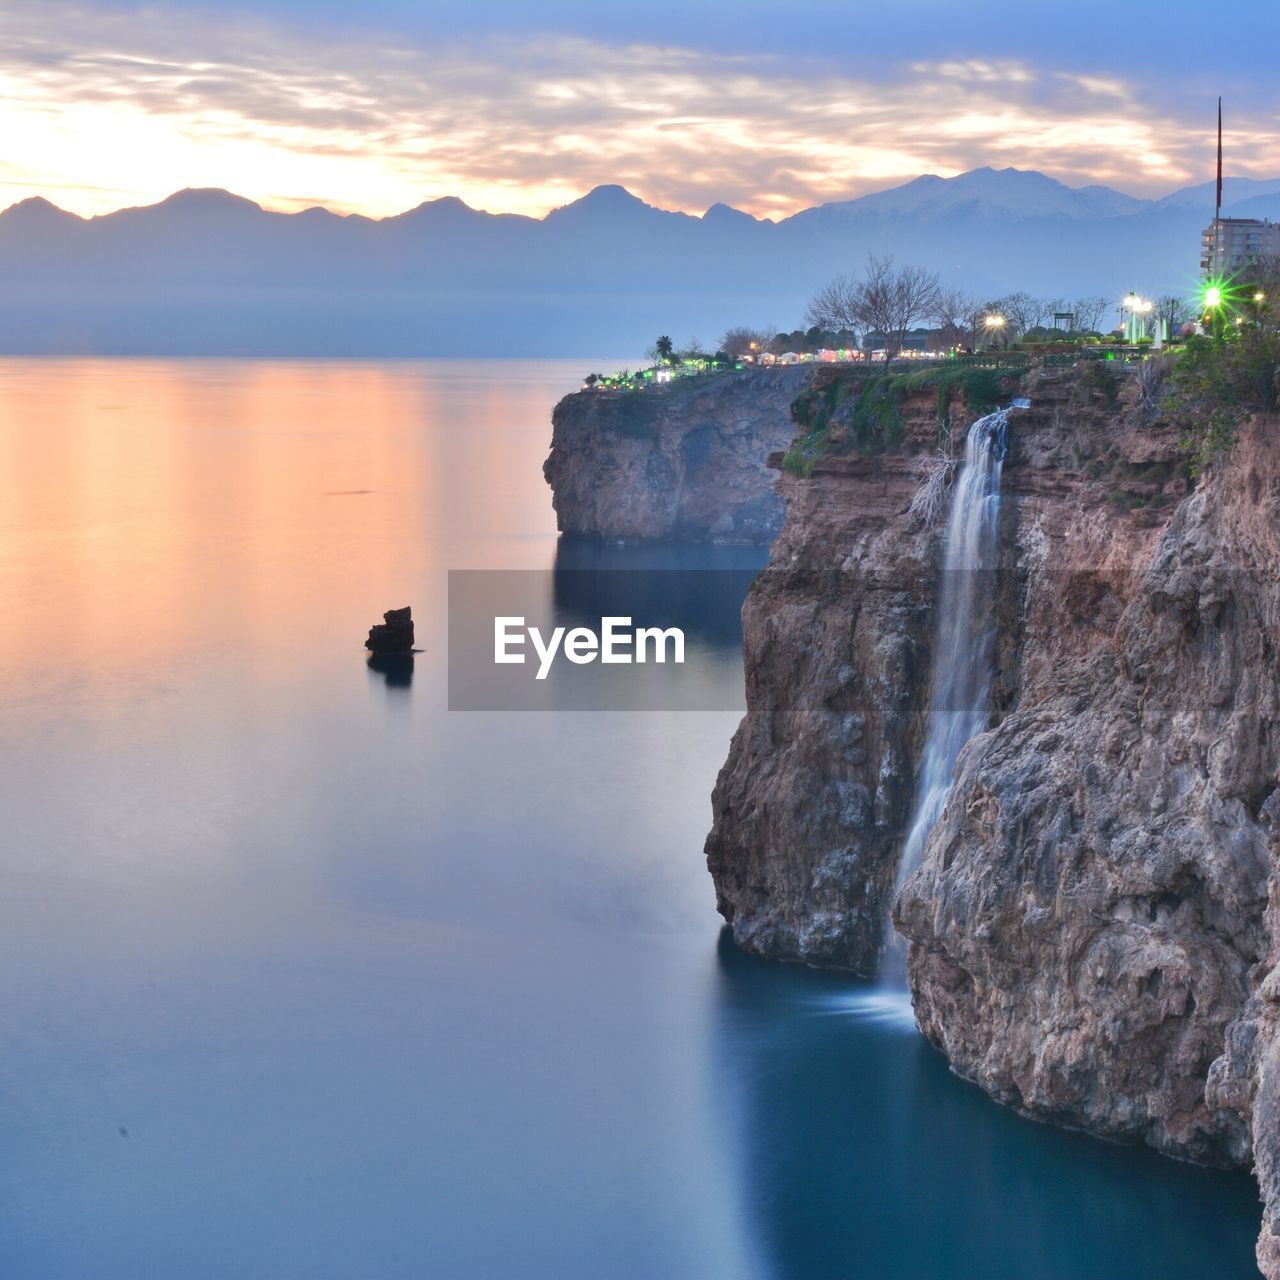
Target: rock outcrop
(811, 804)
(686, 460)
(1091, 902)
(394, 634)
(1095, 926)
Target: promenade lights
(1212, 304)
(1145, 308)
(1131, 304)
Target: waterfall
(960, 691)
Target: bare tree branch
(1089, 312)
(882, 298)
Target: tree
(955, 313)
(1265, 268)
(665, 349)
(993, 328)
(741, 341)
(1174, 311)
(837, 305)
(1021, 311)
(881, 298)
(1216, 382)
(1089, 312)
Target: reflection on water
(379, 990)
(697, 588)
(395, 668)
(862, 1155)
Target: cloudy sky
(522, 105)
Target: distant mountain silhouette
(987, 193)
(206, 271)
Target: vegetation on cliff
(859, 412)
(1216, 383)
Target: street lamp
(1135, 306)
(1211, 309)
(993, 324)
(1145, 307)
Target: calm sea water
(304, 976)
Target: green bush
(874, 423)
(798, 462)
(1216, 383)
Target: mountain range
(209, 272)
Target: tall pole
(1217, 211)
(1219, 257)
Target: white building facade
(1228, 243)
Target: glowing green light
(1213, 296)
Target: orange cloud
(100, 110)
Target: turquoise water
(305, 976)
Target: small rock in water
(394, 634)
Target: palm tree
(665, 348)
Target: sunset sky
(519, 107)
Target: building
(1228, 243)
(907, 339)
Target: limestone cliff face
(810, 806)
(682, 461)
(1091, 939)
(1091, 903)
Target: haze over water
(305, 976)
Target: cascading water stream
(960, 692)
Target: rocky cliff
(811, 804)
(1091, 939)
(682, 461)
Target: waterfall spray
(960, 691)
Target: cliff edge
(687, 460)
(1094, 928)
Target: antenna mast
(1217, 211)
